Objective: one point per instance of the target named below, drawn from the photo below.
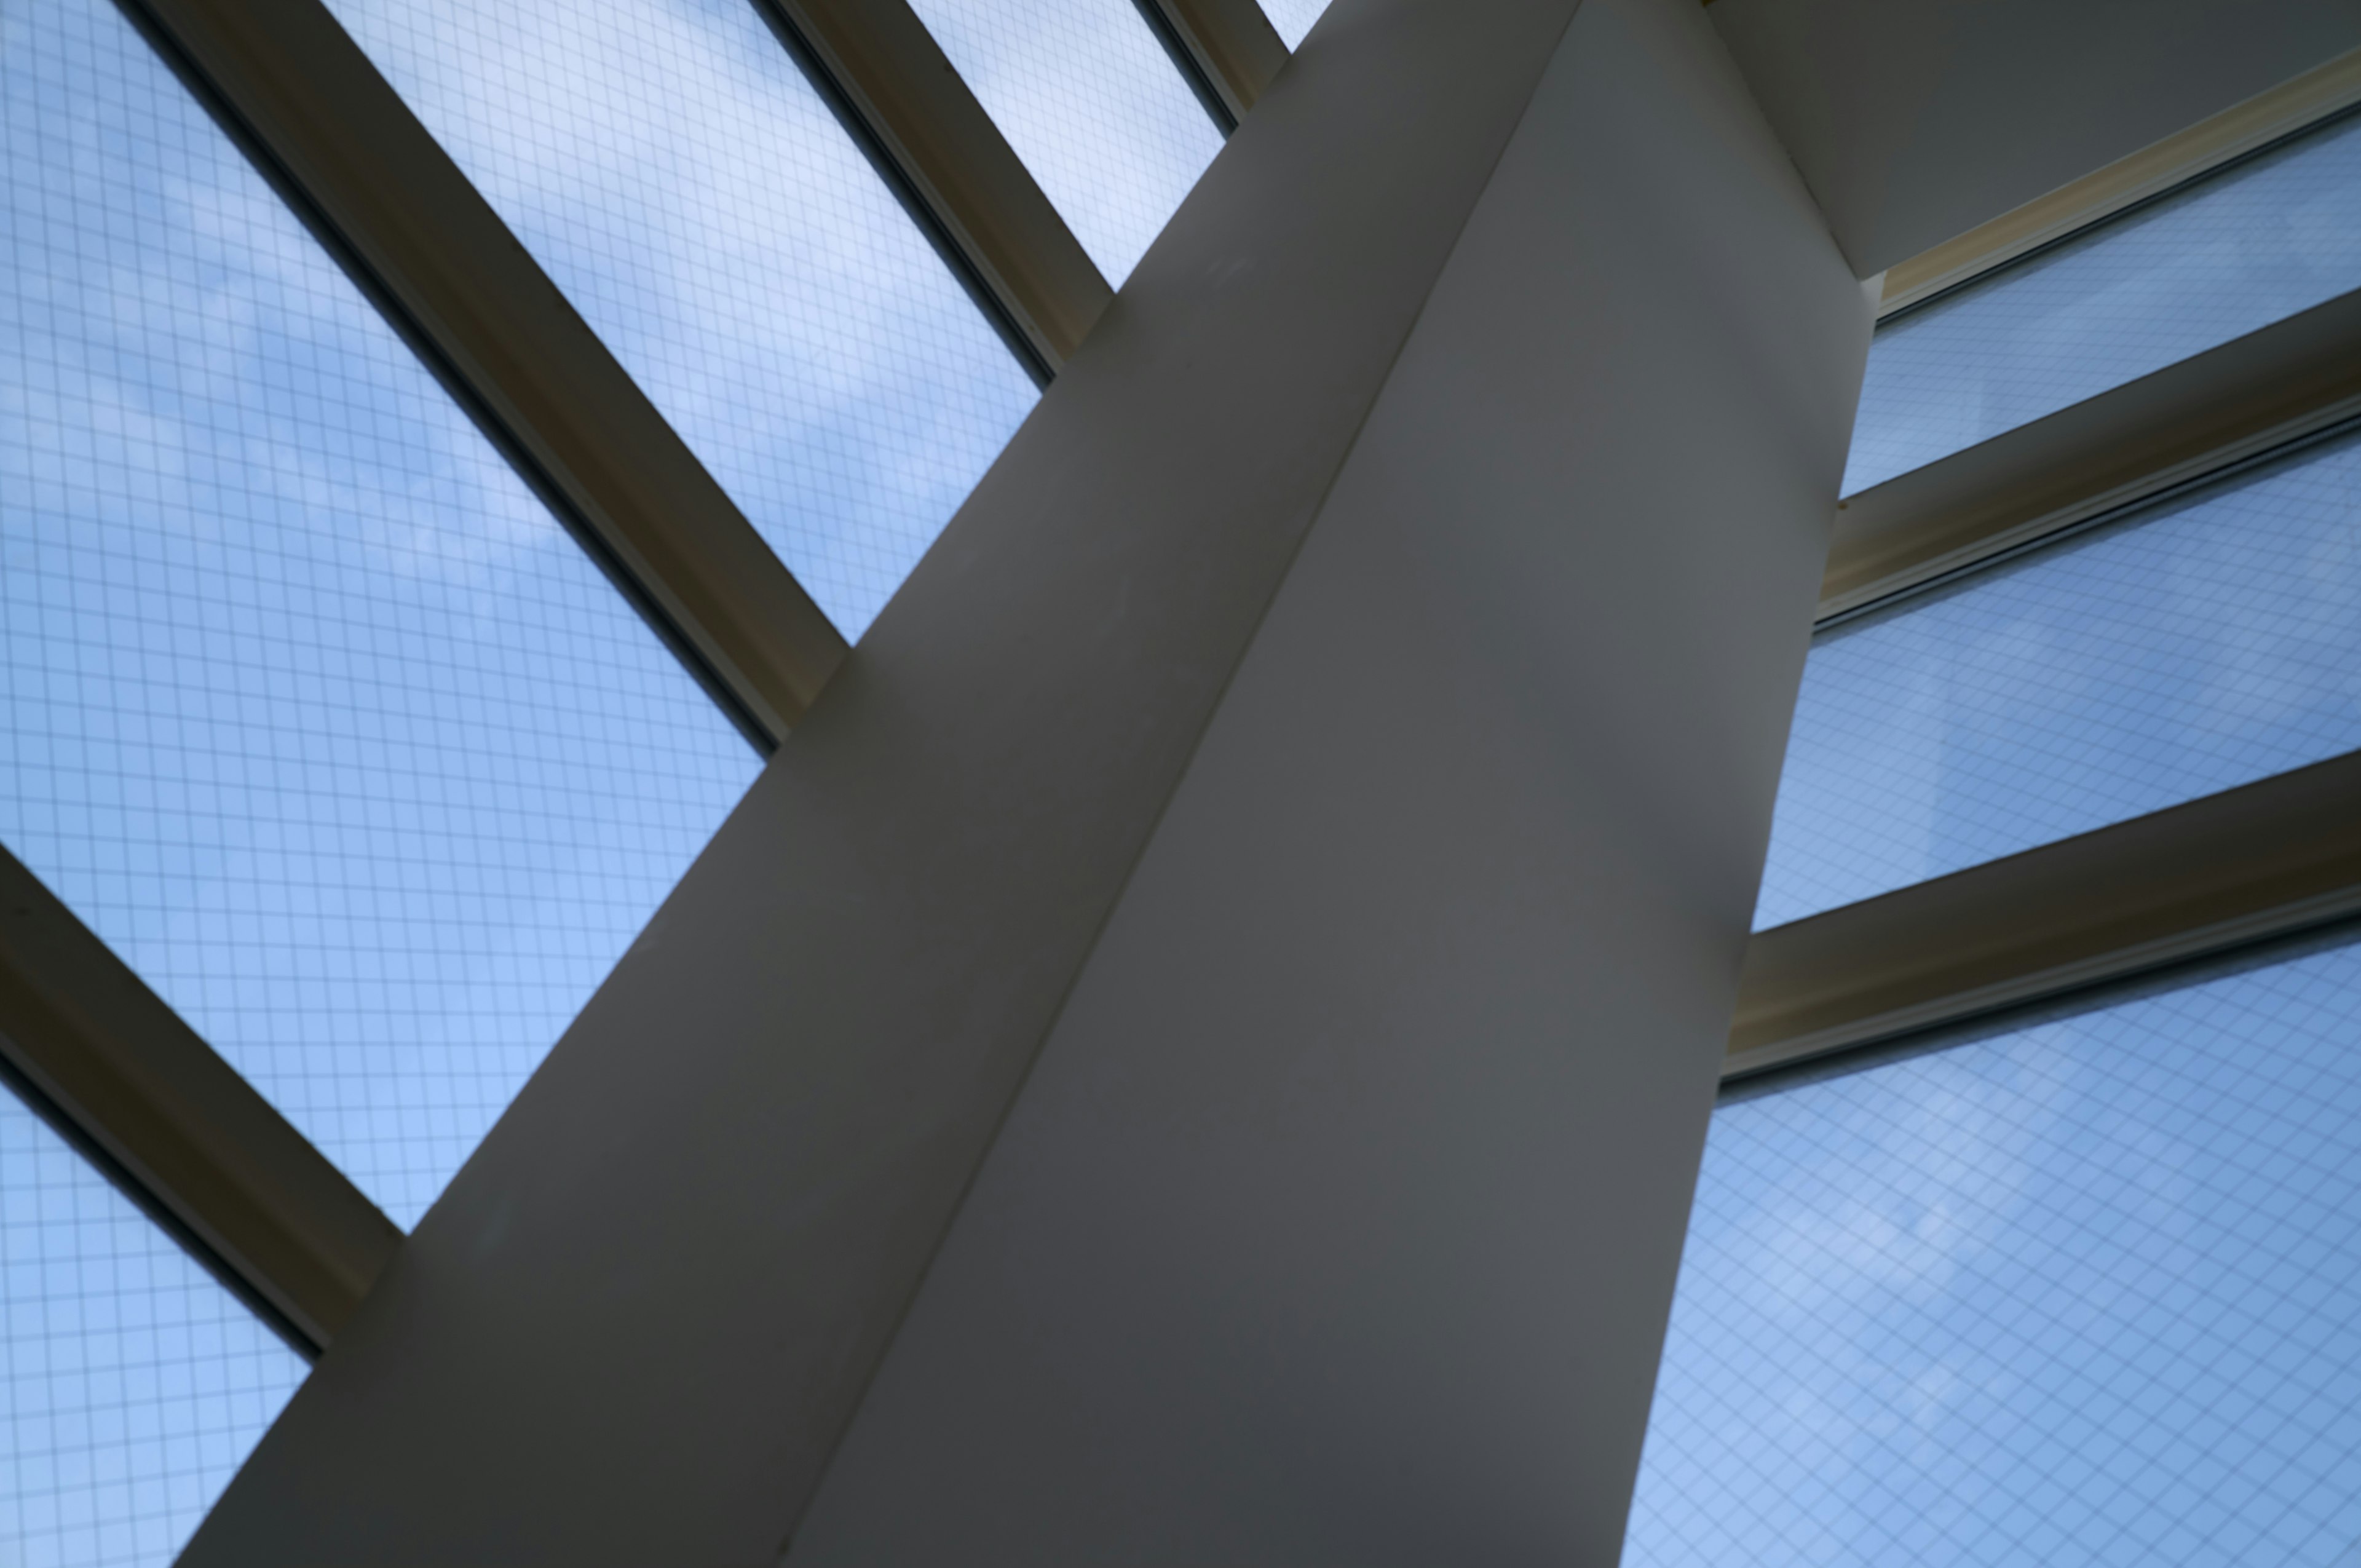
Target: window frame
(2252, 864)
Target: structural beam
(2134, 443)
(1338, 1218)
(136, 1081)
(349, 156)
(637, 1324)
(896, 82)
(2257, 861)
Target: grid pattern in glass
(307, 707)
(1293, 18)
(2205, 645)
(132, 1385)
(2235, 253)
(671, 169)
(1091, 102)
(2083, 1289)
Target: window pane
(2235, 253)
(1293, 18)
(669, 167)
(132, 1385)
(2193, 649)
(2081, 1290)
(306, 707)
(1093, 106)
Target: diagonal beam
(894, 83)
(349, 155)
(2257, 861)
(132, 1078)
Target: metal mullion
(2248, 865)
(2155, 490)
(2128, 446)
(175, 1124)
(1226, 50)
(337, 140)
(937, 146)
(138, 1192)
(1192, 69)
(2245, 865)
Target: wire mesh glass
(1293, 18)
(2078, 1289)
(307, 707)
(2206, 644)
(2255, 243)
(670, 168)
(1091, 102)
(132, 1384)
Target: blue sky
(2077, 1291)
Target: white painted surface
(1338, 1221)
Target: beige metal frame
(2258, 861)
(136, 1081)
(2128, 446)
(901, 94)
(1231, 48)
(76, 1025)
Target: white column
(1382, 933)
(1339, 1221)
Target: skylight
(673, 171)
(2205, 644)
(1090, 101)
(308, 708)
(2072, 1289)
(132, 1383)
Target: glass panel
(132, 1385)
(1091, 102)
(2198, 647)
(306, 707)
(2079, 1290)
(1293, 18)
(2238, 252)
(667, 164)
